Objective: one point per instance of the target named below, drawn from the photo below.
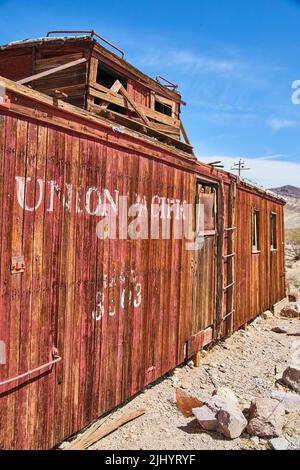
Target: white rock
(290, 401)
(226, 394)
(267, 314)
(279, 443)
(222, 413)
(266, 418)
(231, 422)
(206, 418)
(255, 440)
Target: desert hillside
(292, 210)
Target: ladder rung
(230, 285)
(229, 228)
(229, 256)
(228, 315)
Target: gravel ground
(249, 362)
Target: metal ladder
(230, 260)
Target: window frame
(164, 102)
(273, 231)
(255, 231)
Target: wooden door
(204, 262)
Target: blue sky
(234, 61)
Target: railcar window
(208, 200)
(273, 229)
(163, 108)
(255, 231)
(106, 77)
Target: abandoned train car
(87, 321)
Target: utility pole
(239, 167)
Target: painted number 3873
(106, 302)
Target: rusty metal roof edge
(245, 181)
(258, 187)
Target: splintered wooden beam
(115, 88)
(52, 71)
(134, 105)
(184, 133)
(118, 88)
(91, 436)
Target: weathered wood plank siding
(260, 277)
(118, 311)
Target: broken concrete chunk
(266, 418)
(185, 402)
(279, 443)
(291, 376)
(226, 394)
(206, 418)
(231, 422)
(290, 401)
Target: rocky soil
(249, 362)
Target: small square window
(273, 231)
(255, 231)
(163, 108)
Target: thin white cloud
(277, 124)
(272, 157)
(190, 62)
(195, 63)
(268, 171)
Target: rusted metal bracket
(168, 84)
(54, 355)
(17, 264)
(198, 341)
(2, 353)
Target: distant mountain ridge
(292, 208)
(287, 191)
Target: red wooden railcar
(85, 322)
